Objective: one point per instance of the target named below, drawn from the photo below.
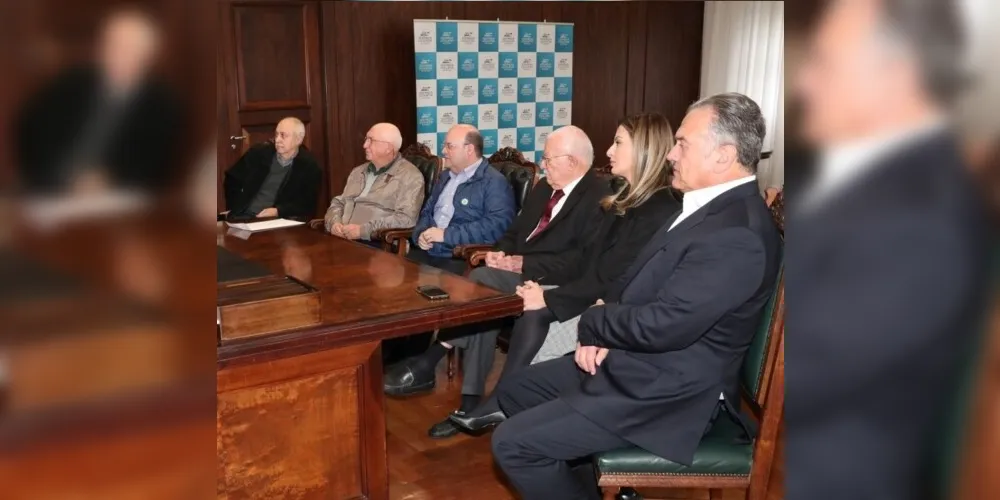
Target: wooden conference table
(300, 413)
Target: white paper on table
(266, 225)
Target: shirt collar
(569, 187)
(693, 200)
(469, 171)
(844, 162)
(379, 171)
(285, 163)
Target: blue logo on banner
(447, 37)
(508, 116)
(564, 89)
(426, 66)
(508, 65)
(488, 90)
(447, 92)
(488, 33)
(469, 114)
(564, 38)
(489, 141)
(526, 139)
(543, 114)
(426, 120)
(546, 64)
(527, 37)
(525, 90)
(468, 65)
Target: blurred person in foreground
(888, 262)
(108, 125)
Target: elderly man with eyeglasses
(384, 192)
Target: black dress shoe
(405, 379)
(628, 494)
(477, 424)
(444, 429)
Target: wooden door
(269, 65)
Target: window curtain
(742, 51)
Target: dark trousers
(538, 445)
(479, 342)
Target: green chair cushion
(717, 454)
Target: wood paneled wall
(628, 57)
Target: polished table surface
(366, 294)
(301, 413)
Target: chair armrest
(389, 236)
(464, 251)
(317, 224)
(476, 258)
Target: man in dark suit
(110, 125)
(888, 265)
(653, 361)
(275, 179)
(557, 221)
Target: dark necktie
(547, 216)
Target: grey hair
(577, 143)
(932, 33)
(737, 122)
(300, 128)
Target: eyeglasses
(449, 146)
(369, 139)
(546, 159)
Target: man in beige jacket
(385, 192)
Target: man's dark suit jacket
(883, 284)
(563, 239)
(298, 194)
(689, 307)
(137, 150)
(619, 239)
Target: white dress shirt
(693, 200)
(840, 165)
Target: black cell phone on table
(432, 292)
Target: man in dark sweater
(555, 224)
(279, 179)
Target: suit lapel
(664, 236)
(571, 200)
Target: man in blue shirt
(470, 204)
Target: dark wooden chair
(721, 461)
(396, 239)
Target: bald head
(576, 143)
(288, 136)
(382, 143)
(463, 146)
(567, 157)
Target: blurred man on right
(888, 260)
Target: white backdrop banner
(512, 81)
